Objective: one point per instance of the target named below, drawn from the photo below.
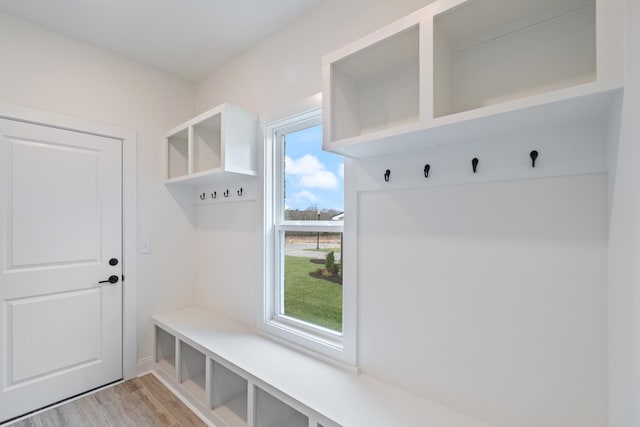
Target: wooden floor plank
(28, 422)
(183, 414)
(141, 402)
(155, 387)
(139, 409)
(81, 412)
(185, 417)
(117, 391)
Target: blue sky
(313, 177)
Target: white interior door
(60, 228)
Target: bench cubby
(193, 371)
(229, 395)
(165, 356)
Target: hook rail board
(539, 153)
(240, 191)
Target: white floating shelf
(458, 69)
(582, 103)
(213, 176)
(215, 146)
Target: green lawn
(312, 300)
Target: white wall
(283, 69)
(46, 71)
(226, 258)
(624, 249)
(286, 67)
(490, 298)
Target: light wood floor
(139, 402)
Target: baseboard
(145, 365)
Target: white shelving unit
(229, 395)
(377, 87)
(193, 371)
(458, 69)
(254, 382)
(484, 58)
(212, 147)
(165, 356)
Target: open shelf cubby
(192, 371)
(165, 351)
(216, 146)
(377, 88)
(491, 51)
(272, 412)
(178, 154)
(457, 69)
(207, 144)
(228, 395)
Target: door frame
(129, 212)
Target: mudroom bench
(237, 378)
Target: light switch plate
(145, 246)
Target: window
(304, 211)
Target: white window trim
(335, 348)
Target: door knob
(111, 279)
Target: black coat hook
(534, 157)
(214, 194)
(474, 163)
(387, 174)
(427, 168)
(240, 192)
(203, 196)
(226, 193)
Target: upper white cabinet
(215, 145)
(377, 87)
(458, 69)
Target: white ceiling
(188, 38)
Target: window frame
(324, 343)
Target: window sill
(325, 346)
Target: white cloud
(341, 170)
(305, 195)
(305, 165)
(312, 172)
(321, 179)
